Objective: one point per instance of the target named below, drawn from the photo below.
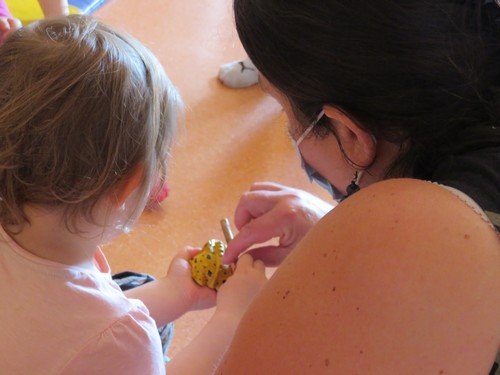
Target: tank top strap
(492, 218)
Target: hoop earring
(353, 186)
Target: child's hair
(81, 106)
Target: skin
(380, 287)
(401, 278)
(271, 210)
(8, 24)
(203, 354)
(54, 8)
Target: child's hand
(8, 24)
(179, 273)
(241, 288)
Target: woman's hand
(271, 210)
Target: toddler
(87, 119)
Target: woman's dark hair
(422, 73)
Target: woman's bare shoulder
(409, 207)
(400, 278)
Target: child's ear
(128, 185)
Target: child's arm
(54, 8)
(172, 296)
(203, 354)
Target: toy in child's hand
(206, 267)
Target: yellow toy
(206, 267)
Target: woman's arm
(400, 278)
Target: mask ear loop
(310, 128)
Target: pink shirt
(57, 319)
(4, 11)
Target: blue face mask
(313, 174)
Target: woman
(394, 108)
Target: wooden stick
(226, 228)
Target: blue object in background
(87, 6)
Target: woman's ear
(359, 146)
(127, 186)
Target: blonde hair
(81, 105)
